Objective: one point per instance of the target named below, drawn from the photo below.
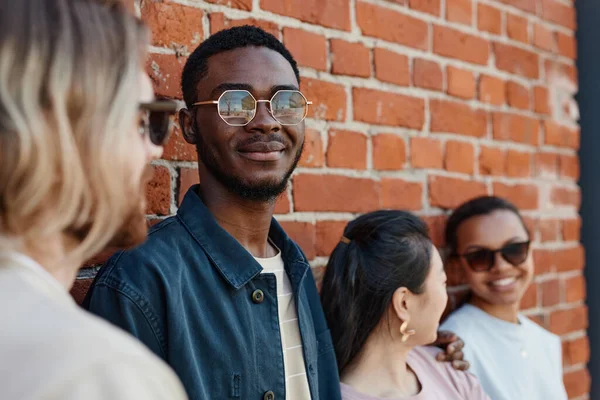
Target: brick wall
(420, 105)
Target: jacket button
(269, 396)
(258, 296)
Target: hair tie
(345, 240)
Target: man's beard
(264, 191)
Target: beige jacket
(50, 348)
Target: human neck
(246, 220)
(384, 362)
(55, 259)
(505, 312)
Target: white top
(512, 361)
(296, 381)
(52, 349)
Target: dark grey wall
(588, 37)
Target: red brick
(389, 152)
(401, 194)
(518, 164)
(546, 165)
(460, 11)
(492, 161)
(568, 166)
(187, 178)
(309, 49)
(461, 83)
(489, 19)
(302, 233)
(218, 22)
(158, 192)
(282, 205)
(575, 289)
(558, 69)
(329, 99)
(543, 260)
(540, 100)
(391, 67)
(567, 45)
(577, 382)
(448, 116)
(459, 157)
(177, 149)
(566, 197)
(530, 223)
(577, 351)
(165, 72)
(328, 234)
(80, 288)
(332, 13)
(449, 42)
(569, 259)
(492, 90)
(517, 28)
(550, 293)
(335, 193)
(558, 135)
(173, 24)
(559, 13)
(449, 193)
(426, 153)
(524, 196)
(437, 225)
(571, 229)
(384, 108)
(427, 6)
(516, 128)
(526, 5)
(543, 38)
(571, 320)
(427, 74)
(548, 229)
(313, 155)
(392, 26)
(530, 297)
(101, 257)
(517, 61)
(349, 58)
(245, 5)
(347, 149)
(517, 95)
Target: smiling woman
(488, 240)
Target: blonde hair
(69, 76)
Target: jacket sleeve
(124, 308)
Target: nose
(500, 264)
(263, 121)
(153, 152)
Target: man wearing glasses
(219, 291)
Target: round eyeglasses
(238, 107)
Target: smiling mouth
(504, 284)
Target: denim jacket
(190, 294)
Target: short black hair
(381, 251)
(483, 205)
(196, 66)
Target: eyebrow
(244, 86)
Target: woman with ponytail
(383, 293)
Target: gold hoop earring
(406, 333)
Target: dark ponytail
(380, 252)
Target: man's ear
(186, 122)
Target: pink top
(438, 380)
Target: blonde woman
(75, 144)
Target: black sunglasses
(156, 120)
(484, 259)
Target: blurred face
(142, 152)
(503, 283)
(426, 309)
(253, 161)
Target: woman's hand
(452, 346)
